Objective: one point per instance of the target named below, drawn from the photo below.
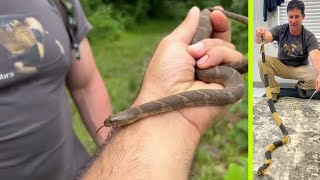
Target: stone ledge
(300, 157)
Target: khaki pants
(305, 75)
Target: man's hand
(314, 56)
(261, 31)
(318, 83)
(162, 146)
(171, 69)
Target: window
(312, 18)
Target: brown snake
(227, 75)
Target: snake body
(267, 163)
(228, 76)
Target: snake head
(108, 122)
(260, 172)
(263, 169)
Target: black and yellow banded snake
(227, 75)
(267, 163)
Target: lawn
(222, 153)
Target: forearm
(162, 146)
(267, 37)
(314, 56)
(140, 150)
(257, 39)
(316, 65)
(94, 107)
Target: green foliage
(111, 17)
(141, 10)
(223, 148)
(90, 6)
(106, 23)
(240, 7)
(81, 131)
(240, 32)
(237, 171)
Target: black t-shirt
(294, 50)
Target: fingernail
(202, 60)
(219, 8)
(197, 47)
(192, 10)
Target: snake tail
(267, 163)
(232, 15)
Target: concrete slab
(300, 157)
(258, 92)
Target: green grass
(122, 62)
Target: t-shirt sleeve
(312, 43)
(83, 24)
(275, 31)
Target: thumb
(186, 30)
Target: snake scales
(267, 163)
(228, 76)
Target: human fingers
(221, 24)
(219, 55)
(171, 63)
(318, 83)
(201, 48)
(186, 30)
(260, 31)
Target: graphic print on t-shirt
(23, 38)
(292, 50)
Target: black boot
(302, 93)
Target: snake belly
(267, 163)
(228, 76)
